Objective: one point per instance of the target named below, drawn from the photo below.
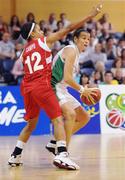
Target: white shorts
(64, 96)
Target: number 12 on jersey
(37, 66)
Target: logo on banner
(115, 103)
(92, 110)
(10, 112)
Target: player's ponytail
(25, 31)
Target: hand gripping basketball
(90, 96)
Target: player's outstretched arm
(58, 35)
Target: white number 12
(37, 57)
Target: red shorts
(44, 98)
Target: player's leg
(68, 112)
(69, 120)
(69, 116)
(81, 118)
(32, 112)
(74, 119)
(62, 159)
(15, 159)
(28, 129)
(68, 105)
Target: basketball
(92, 98)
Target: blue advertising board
(12, 112)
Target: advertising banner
(12, 112)
(112, 108)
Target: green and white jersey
(58, 67)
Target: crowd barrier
(106, 117)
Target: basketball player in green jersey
(65, 66)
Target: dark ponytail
(25, 30)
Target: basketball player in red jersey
(37, 91)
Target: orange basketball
(92, 98)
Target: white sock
(20, 144)
(61, 143)
(51, 145)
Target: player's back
(37, 59)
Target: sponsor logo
(9, 110)
(92, 110)
(115, 104)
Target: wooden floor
(101, 157)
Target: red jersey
(37, 61)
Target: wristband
(81, 90)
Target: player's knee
(32, 125)
(87, 117)
(58, 121)
(30, 128)
(70, 115)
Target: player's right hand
(96, 10)
(88, 91)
